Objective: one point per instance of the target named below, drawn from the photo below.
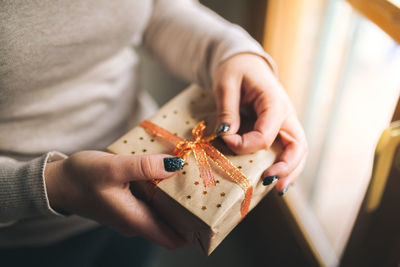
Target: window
(342, 72)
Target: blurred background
(340, 64)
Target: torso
(67, 73)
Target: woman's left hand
(246, 79)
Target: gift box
(216, 188)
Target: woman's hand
(95, 185)
(246, 79)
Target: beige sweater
(68, 82)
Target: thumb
(148, 167)
(227, 95)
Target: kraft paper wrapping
(202, 214)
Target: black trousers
(96, 248)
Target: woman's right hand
(95, 185)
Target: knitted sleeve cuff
(23, 189)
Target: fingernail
(284, 191)
(223, 128)
(269, 180)
(173, 164)
(219, 138)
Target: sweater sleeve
(192, 40)
(23, 189)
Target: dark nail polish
(269, 180)
(220, 139)
(284, 191)
(223, 128)
(173, 164)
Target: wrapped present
(216, 188)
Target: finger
(147, 167)
(295, 148)
(270, 117)
(283, 183)
(263, 135)
(135, 217)
(246, 143)
(227, 95)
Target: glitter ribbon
(201, 148)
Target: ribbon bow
(202, 148)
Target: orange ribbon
(202, 148)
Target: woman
(68, 83)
